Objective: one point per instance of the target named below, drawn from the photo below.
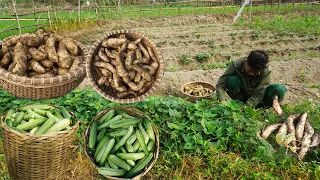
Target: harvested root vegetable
(45, 75)
(37, 54)
(291, 129)
(276, 106)
(36, 66)
(65, 59)
(306, 141)
(31, 40)
(198, 90)
(301, 126)
(20, 58)
(126, 65)
(113, 42)
(283, 129)
(315, 140)
(46, 63)
(71, 46)
(62, 71)
(6, 60)
(51, 49)
(266, 133)
(126, 93)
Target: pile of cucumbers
(120, 144)
(38, 119)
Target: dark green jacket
(254, 86)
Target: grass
(158, 11)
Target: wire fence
(27, 15)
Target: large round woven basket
(132, 112)
(33, 157)
(108, 92)
(194, 98)
(42, 88)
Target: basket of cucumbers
(122, 143)
(37, 141)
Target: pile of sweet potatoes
(40, 54)
(296, 133)
(126, 65)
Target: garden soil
(294, 58)
(294, 62)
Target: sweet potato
(143, 60)
(65, 59)
(301, 126)
(11, 41)
(4, 50)
(152, 55)
(32, 74)
(102, 80)
(62, 71)
(113, 42)
(31, 40)
(78, 60)
(306, 141)
(46, 63)
(144, 51)
(144, 73)
(36, 66)
(266, 133)
(129, 59)
(315, 140)
(103, 56)
(112, 55)
(11, 66)
(126, 93)
(71, 46)
(43, 49)
(137, 41)
(120, 68)
(37, 55)
(51, 49)
(291, 128)
(283, 129)
(6, 60)
(131, 46)
(276, 106)
(105, 65)
(20, 58)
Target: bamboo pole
(79, 11)
(250, 14)
(17, 17)
(49, 18)
(35, 14)
(55, 15)
(179, 10)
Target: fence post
(140, 11)
(49, 18)
(79, 11)
(17, 16)
(35, 14)
(55, 15)
(179, 10)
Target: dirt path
(295, 58)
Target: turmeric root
(126, 93)
(137, 87)
(103, 56)
(131, 46)
(105, 65)
(144, 51)
(120, 68)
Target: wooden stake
(17, 16)
(79, 11)
(35, 14)
(49, 18)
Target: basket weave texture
(196, 83)
(132, 112)
(42, 88)
(108, 92)
(31, 157)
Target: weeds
(185, 59)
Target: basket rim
(42, 136)
(154, 85)
(157, 142)
(48, 81)
(191, 82)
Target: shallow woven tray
(132, 112)
(108, 92)
(196, 83)
(33, 157)
(42, 88)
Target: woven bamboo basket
(132, 112)
(42, 88)
(33, 157)
(110, 93)
(194, 98)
